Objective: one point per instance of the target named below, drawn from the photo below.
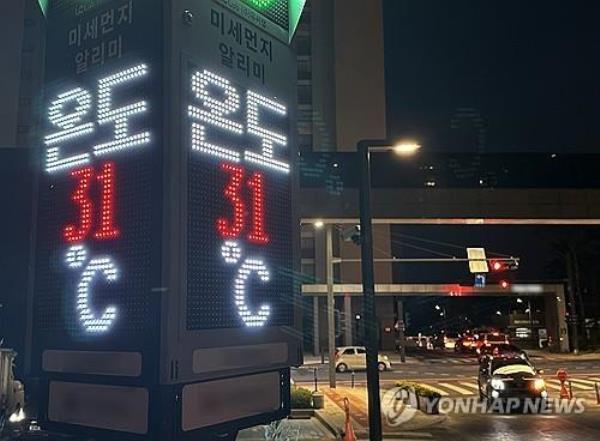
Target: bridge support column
(349, 320)
(316, 329)
(556, 320)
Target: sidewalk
(333, 416)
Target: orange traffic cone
(348, 429)
(563, 376)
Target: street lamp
(406, 148)
(364, 149)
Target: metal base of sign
(165, 413)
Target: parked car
(510, 376)
(355, 358)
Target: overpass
(447, 189)
(518, 188)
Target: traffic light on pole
(496, 266)
(502, 265)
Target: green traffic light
(261, 4)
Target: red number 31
(81, 198)
(232, 228)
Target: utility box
(164, 293)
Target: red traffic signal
(496, 265)
(500, 265)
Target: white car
(354, 358)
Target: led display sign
(239, 227)
(166, 240)
(99, 197)
(97, 140)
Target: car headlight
(497, 384)
(385, 357)
(539, 384)
(17, 417)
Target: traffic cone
(348, 429)
(563, 376)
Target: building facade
(22, 48)
(341, 96)
(21, 73)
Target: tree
(577, 251)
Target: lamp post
(365, 148)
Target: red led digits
(231, 229)
(81, 197)
(258, 235)
(107, 180)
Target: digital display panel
(240, 263)
(99, 203)
(276, 11)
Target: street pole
(368, 281)
(330, 304)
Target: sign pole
(330, 305)
(368, 279)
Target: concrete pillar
(556, 321)
(349, 320)
(316, 329)
(386, 318)
(330, 303)
(561, 311)
(320, 277)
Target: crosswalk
(453, 388)
(449, 360)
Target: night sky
(490, 76)
(511, 75)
